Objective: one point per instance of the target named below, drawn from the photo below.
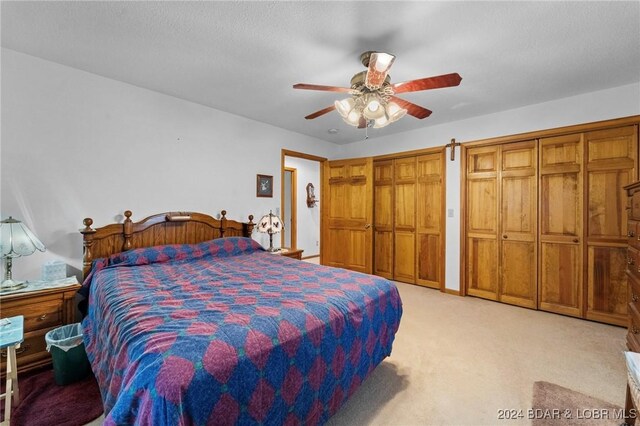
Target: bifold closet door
(501, 226)
(482, 260)
(429, 219)
(383, 218)
(611, 161)
(561, 230)
(404, 265)
(519, 224)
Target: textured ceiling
(243, 57)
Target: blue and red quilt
(223, 332)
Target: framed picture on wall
(264, 186)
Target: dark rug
(43, 403)
(556, 405)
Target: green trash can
(70, 362)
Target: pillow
(633, 367)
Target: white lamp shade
(17, 240)
(270, 224)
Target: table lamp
(15, 240)
(271, 224)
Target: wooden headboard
(159, 229)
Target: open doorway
(289, 208)
(300, 202)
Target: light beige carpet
(556, 405)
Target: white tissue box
(54, 270)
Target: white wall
(76, 145)
(602, 105)
(308, 235)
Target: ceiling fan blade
(446, 80)
(412, 109)
(321, 112)
(379, 65)
(319, 87)
(363, 123)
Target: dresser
(43, 310)
(633, 265)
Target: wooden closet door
(348, 214)
(404, 265)
(383, 218)
(561, 230)
(518, 224)
(430, 220)
(611, 157)
(482, 222)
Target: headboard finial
(87, 222)
(224, 213)
(250, 225)
(127, 230)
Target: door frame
(322, 160)
(294, 208)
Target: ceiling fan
(373, 102)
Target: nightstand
(43, 310)
(292, 253)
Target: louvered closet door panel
(482, 222)
(383, 218)
(561, 231)
(611, 161)
(429, 230)
(518, 223)
(404, 268)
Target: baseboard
(310, 257)
(451, 291)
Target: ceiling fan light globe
(373, 115)
(381, 122)
(394, 112)
(344, 106)
(353, 117)
(373, 105)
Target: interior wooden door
(611, 161)
(518, 224)
(482, 221)
(348, 213)
(561, 239)
(430, 220)
(383, 218)
(404, 265)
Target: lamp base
(10, 285)
(273, 249)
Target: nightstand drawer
(46, 313)
(32, 350)
(633, 262)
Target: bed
(190, 321)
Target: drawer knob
(631, 234)
(634, 297)
(505, 236)
(575, 240)
(42, 317)
(22, 349)
(634, 330)
(629, 261)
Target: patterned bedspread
(223, 332)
